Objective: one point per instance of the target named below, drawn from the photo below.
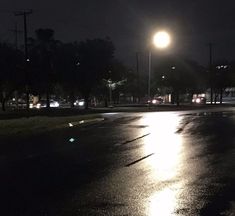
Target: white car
(199, 100)
(43, 104)
(79, 103)
(157, 101)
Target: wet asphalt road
(156, 163)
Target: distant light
(154, 101)
(81, 103)
(54, 104)
(71, 140)
(222, 66)
(163, 77)
(198, 100)
(27, 60)
(81, 122)
(70, 125)
(161, 39)
(173, 67)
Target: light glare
(161, 39)
(71, 140)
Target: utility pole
(15, 33)
(25, 14)
(211, 71)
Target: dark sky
(130, 24)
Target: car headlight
(38, 106)
(154, 101)
(81, 103)
(198, 100)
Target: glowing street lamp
(161, 40)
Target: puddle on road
(212, 114)
(167, 163)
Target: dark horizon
(130, 25)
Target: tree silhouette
(95, 58)
(11, 78)
(113, 78)
(180, 77)
(67, 66)
(223, 77)
(42, 62)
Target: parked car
(43, 104)
(79, 103)
(199, 100)
(21, 104)
(157, 101)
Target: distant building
(228, 95)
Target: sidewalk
(38, 124)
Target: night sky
(130, 24)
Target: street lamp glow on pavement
(161, 40)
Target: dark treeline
(89, 68)
(53, 67)
(186, 77)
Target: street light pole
(161, 40)
(149, 74)
(211, 72)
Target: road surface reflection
(165, 143)
(167, 146)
